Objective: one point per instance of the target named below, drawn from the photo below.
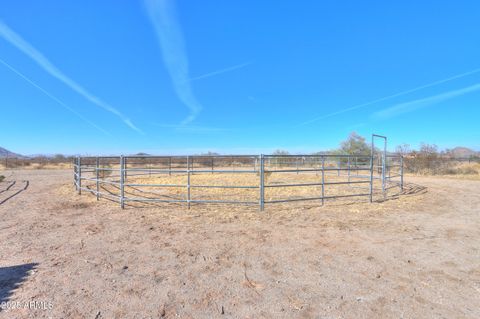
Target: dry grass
(470, 171)
(243, 194)
(413, 195)
(33, 166)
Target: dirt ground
(69, 256)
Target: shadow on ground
(23, 187)
(12, 277)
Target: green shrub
(2, 178)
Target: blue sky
(100, 77)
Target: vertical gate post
(97, 175)
(212, 163)
(125, 167)
(401, 172)
(170, 165)
(262, 182)
(75, 160)
(79, 175)
(384, 168)
(323, 180)
(188, 181)
(122, 182)
(371, 170)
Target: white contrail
(389, 97)
(191, 128)
(225, 70)
(420, 103)
(15, 39)
(53, 97)
(163, 17)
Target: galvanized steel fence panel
(358, 170)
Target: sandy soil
(417, 256)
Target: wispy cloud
(421, 103)
(322, 117)
(163, 16)
(53, 97)
(16, 40)
(225, 70)
(192, 128)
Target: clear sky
(98, 77)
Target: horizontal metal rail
(195, 156)
(192, 186)
(319, 156)
(142, 199)
(156, 185)
(107, 169)
(186, 171)
(223, 186)
(313, 198)
(393, 176)
(317, 184)
(393, 186)
(314, 170)
(100, 181)
(223, 202)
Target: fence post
(79, 175)
(125, 168)
(212, 163)
(96, 174)
(75, 172)
(122, 182)
(348, 168)
(188, 181)
(262, 182)
(323, 180)
(170, 165)
(371, 175)
(401, 172)
(384, 168)
(74, 160)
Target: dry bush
(440, 166)
(429, 161)
(461, 169)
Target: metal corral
(122, 178)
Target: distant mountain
(463, 152)
(6, 153)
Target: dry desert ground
(69, 256)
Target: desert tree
(403, 149)
(354, 144)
